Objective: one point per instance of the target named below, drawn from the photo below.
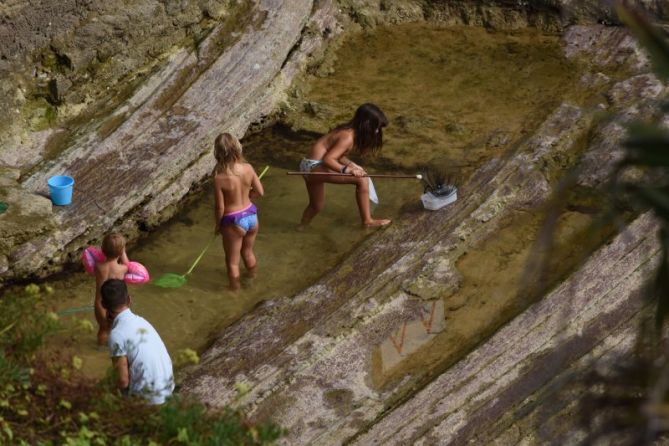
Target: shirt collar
(122, 316)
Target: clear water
(462, 94)
(288, 261)
(453, 95)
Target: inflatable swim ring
(136, 275)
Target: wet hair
(114, 294)
(367, 124)
(113, 245)
(227, 151)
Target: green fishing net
(3, 207)
(170, 280)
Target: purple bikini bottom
(246, 219)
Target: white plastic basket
(433, 202)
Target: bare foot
(251, 272)
(234, 284)
(376, 223)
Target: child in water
(235, 183)
(363, 134)
(114, 267)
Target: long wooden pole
(373, 175)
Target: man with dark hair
(138, 354)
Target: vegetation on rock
(46, 400)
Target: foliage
(46, 400)
(24, 322)
(628, 405)
(647, 149)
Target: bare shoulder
(343, 136)
(248, 169)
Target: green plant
(46, 400)
(632, 400)
(438, 181)
(190, 424)
(647, 149)
(24, 322)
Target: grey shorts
(307, 165)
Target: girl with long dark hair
(362, 134)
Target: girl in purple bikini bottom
(235, 184)
(246, 219)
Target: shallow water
(288, 261)
(460, 94)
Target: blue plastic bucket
(60, 189)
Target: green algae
(110, 125)
(223, 37)
(289, 261)
(39, 114)
(461, 93)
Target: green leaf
(647, 145)
(651, 37)
(656, 198)
(8, 431)
(183, 435)
(77, 362)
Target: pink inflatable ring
(136, 275)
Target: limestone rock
(344, 337)
(9, 175)
(638, 96)
(168, 123)
(330, 362)
(493, 391)
(27, 217)
(636, 89)
(603, 45)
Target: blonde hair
(227, 151)
(113, 245)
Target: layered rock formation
(132, 167)
(515, 388)
(401, 313)
(105, 82)
(344, 358)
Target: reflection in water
(288, 261)
(465, 96)
(409, 336)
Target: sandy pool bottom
(289, 261)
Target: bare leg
(361, 196)
(316, 190)
(103, 336)
(247, 251)
(101, 318)
(232, 245)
